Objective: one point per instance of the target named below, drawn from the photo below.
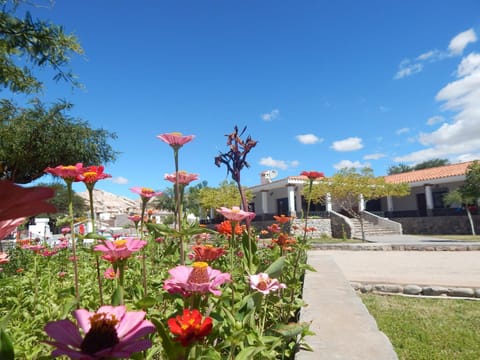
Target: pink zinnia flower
(110, 274)
(67, 172)
(264, 284)
(184, 178)
(176, 140)
(119, 249)
(8, 226)
(4, 258)
(198, 278)
(19, 202)
(145, 193)
(236, 214)
(135, 218)
(110, 332)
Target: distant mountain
(105, 202)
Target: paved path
(344, 330)
(442, 268)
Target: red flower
(92, 174)
(312, 175)
(225, 228)
(189, 326)
(18, 201)
(207, 252)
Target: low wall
(435, 225)
(322, 227)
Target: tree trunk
(470, 219)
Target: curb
(398, 247)
(430, 291)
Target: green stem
(178, 207)
(74, 246)
(144, 262)
(97, 261)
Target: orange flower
(282, 219)
(225, 228)
(190, 326)
(207, 252)
(284, 241)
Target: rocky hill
(105, 202)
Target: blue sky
(320, 84)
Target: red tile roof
(429, 174)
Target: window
(438, 199)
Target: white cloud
(308, 139)
(271, 115)
(345, 164)
(435, 120)
(349, 144)
(279, 164)
(374, 156)
(408, 70)
(427, 55)
(382, 108)
(469, 64)
(119, 180)
(402, 131)
(460, 41)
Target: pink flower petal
(64, 331)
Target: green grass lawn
(428, 329)
(459, 237)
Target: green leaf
(249, 352)
(146, 302)
(117, 297)
(6, 346)
(275, 269)
(290, 330)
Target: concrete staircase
(370, 229)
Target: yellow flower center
(147, 190)
(102, 334)
(199, 274)
(90, 176)
(119, 243)
(176, 133)
(69, 167)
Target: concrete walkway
(344, 329)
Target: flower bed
(182, 292)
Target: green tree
(401, 168)
(347, 185)
(398, 169)
(226, 195)
(468, 193)
(32, 139)
(27, 44)
(431, 164)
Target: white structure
(41, 229)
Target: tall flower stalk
(176, 140)
(145, 195)
(90, 176)
(70, 174)
(311, 176)
(181, 179)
